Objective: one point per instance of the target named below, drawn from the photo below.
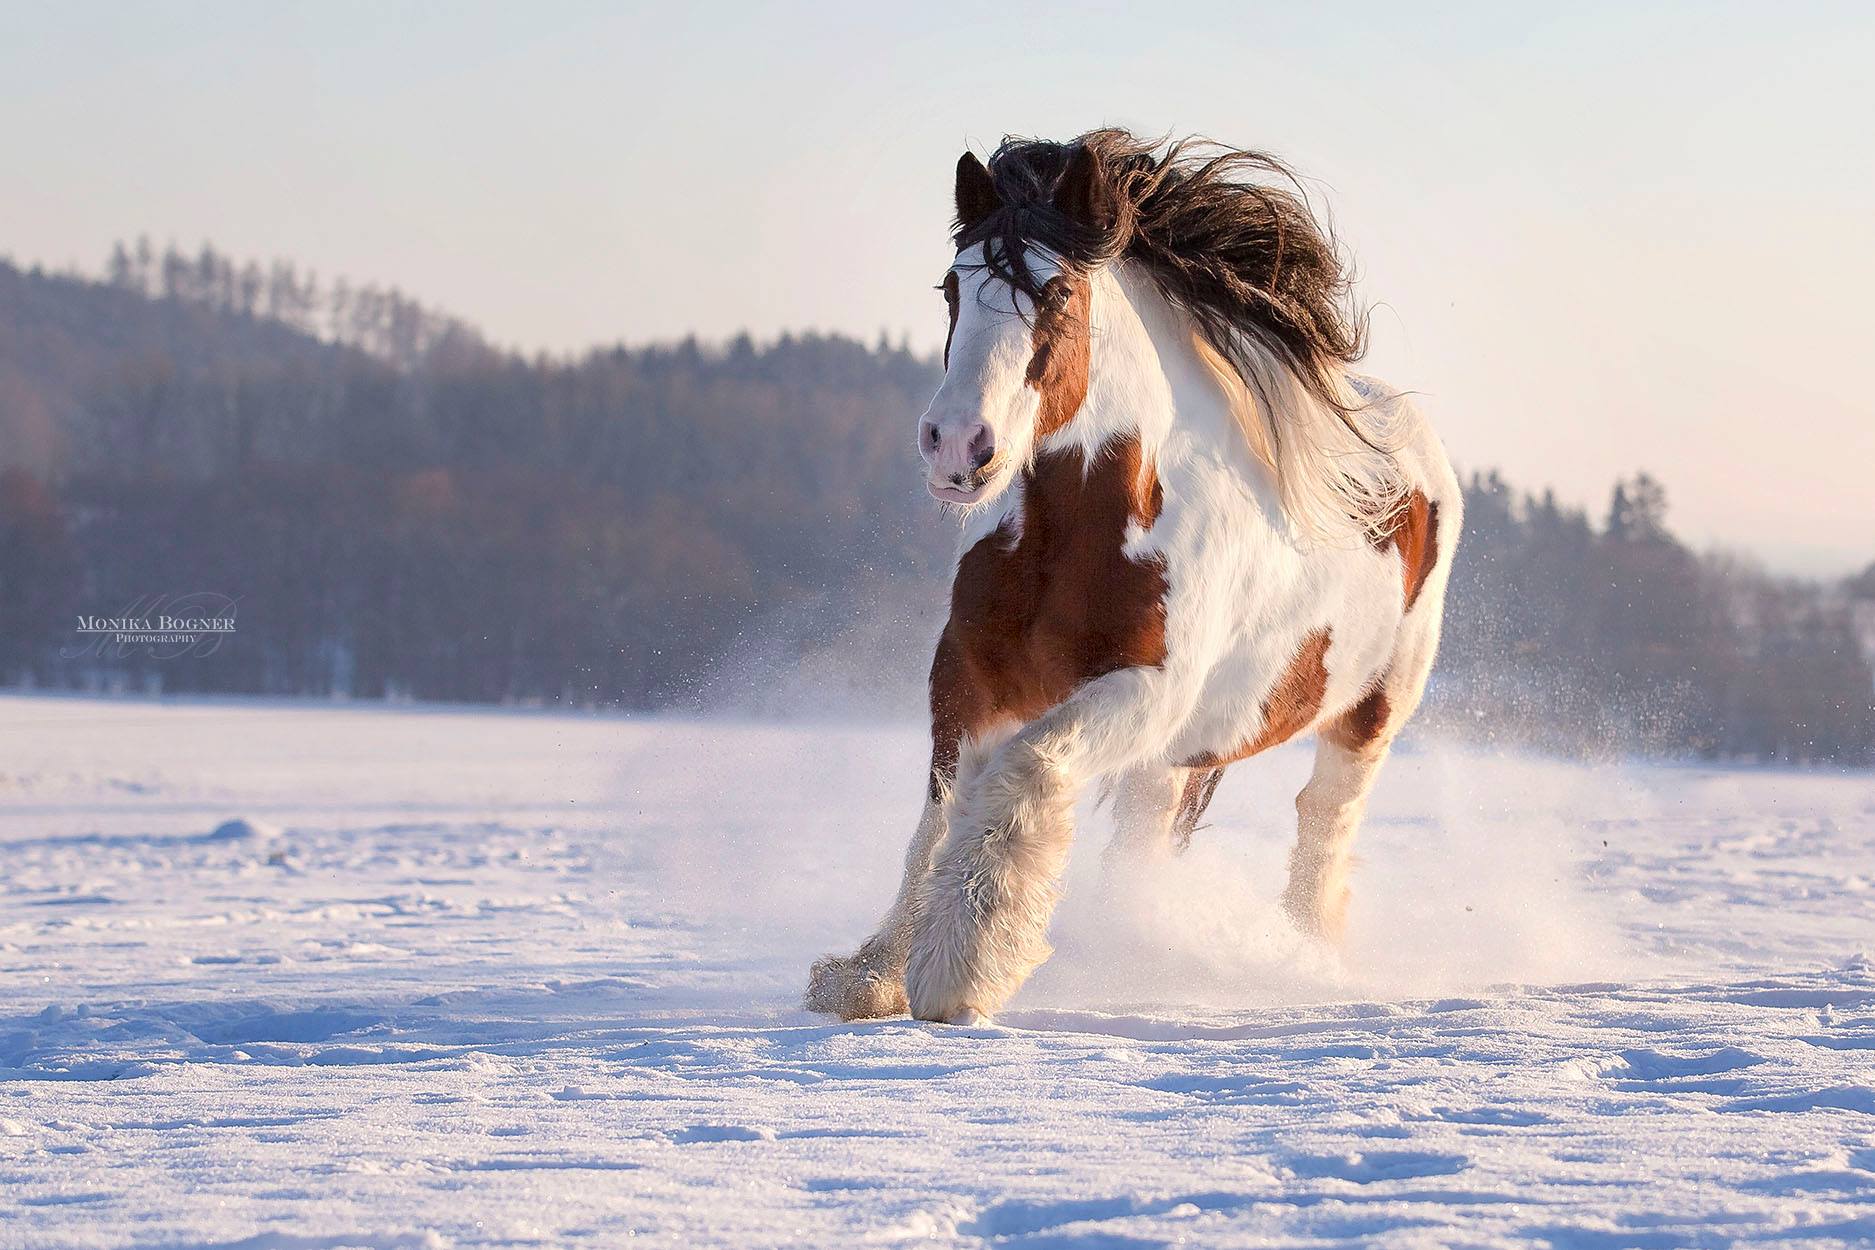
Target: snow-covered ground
(303, 976)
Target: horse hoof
(853, 990)
(965, 1016)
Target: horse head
(1016, 355)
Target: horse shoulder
(1051, 599)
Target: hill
(396, 508)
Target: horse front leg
(870, 983)
(981, 920)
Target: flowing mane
(1262, 281)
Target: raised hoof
(853, 990)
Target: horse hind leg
(1195, 794)
(1348, 754)
(1328, 815)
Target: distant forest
(401, 510)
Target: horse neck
(1128, 393)
(1151, 373)
(1152, 376)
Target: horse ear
(976, 194)
(1080, 195)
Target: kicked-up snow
(293, 976)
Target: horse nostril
(928, 435)
(982, 446)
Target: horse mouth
(949, 493)
(966, 488)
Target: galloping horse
(1191, 533)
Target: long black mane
(1227, 234)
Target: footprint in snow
(1364, 1168)
(239, 830)
(1654, 1065)
(721, 1132)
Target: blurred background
(571, 357)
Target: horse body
(1139, 596)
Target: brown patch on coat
(1200, 785)
(1042, 607)
(1364, 724)
(950, 299)
(1290, 707)
(1058, 368)
(1412, 530)
(961, 705)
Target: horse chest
(1042, 608)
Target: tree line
(1571, 634)
(400, 509)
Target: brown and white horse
(1190, 534)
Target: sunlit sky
(1597, 237)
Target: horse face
(1015, 367)
(982, 424)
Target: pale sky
(1597, 239)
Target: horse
(1191, 531)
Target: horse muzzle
(957, 457)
